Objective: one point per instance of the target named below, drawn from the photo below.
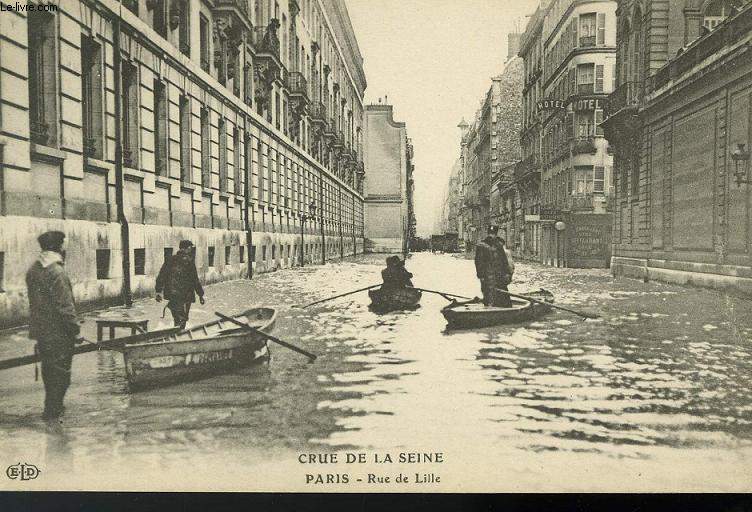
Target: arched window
(715, 11)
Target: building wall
(680, 214)
(386, 194)
(215, 161)
(579, 66)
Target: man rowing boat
(395, 275)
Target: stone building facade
(578, 72)
(681, 122)
(133, 125)
(389, 185)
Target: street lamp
(312, 210)
(740, 156)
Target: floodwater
(654, 395)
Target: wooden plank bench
(135, 326)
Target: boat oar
(532, 299)
(443, 294)
(90, 346)
(342, 295)
(252, 329)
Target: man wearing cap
(492, 266)
(52, 320)
(395, 275)
(178, 280)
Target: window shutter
(598, 121)
(601, 34)
(599, 78)
(570, 125)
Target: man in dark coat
(178, 281)
(493, 268)
(52, 320)
(395, 275)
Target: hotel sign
(589, 104)
(551, 104)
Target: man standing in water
(178, 280)
(52, 320)
(493, 268)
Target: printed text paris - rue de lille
(423, 460)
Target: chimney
(513, 45)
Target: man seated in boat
(494, 269)
(178, 280)
(395, 275)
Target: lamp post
(740, 156)
(312, 210)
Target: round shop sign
(560, 226)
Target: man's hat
(51, 240)
(393, 260)
(185, 244)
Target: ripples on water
(665, 367)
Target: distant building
(579, 62)
(488, 146)
(680, 121)
(389, 187)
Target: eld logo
(22, 471)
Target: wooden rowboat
(202, 350)
(472, 313)
(394, 300)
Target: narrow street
(648, 382)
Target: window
(103, 263)
(131, 5)
(253, 253)
(160, 128)
(583, 180)
(160, 16)
(184, 34)
(598, 122)
(587, 29)
(585, 124)
(129, 121)
(168, 253)
(228, 253)
(139, 261)
(211, 256)
(236, 177)
(274, 251)
(91, 95)
(585, 78)
(205, 148)
(263, 253)
(185, 140)
(601, 34)
(242, 254)
(204, 42)
(42, 78)
(635, 178)
(222, 155)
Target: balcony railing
(581, 202)
(587, 41)
(297, 84)
(628, 94)
(318, 112)
(266, 39)
(582, 145)
(585, 88)
(240, 5)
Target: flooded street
(655, 393)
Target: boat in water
(394, 300)
(473, 313)
(199, 351)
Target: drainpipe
(339, 207)
(247, 193)
(126, 293)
